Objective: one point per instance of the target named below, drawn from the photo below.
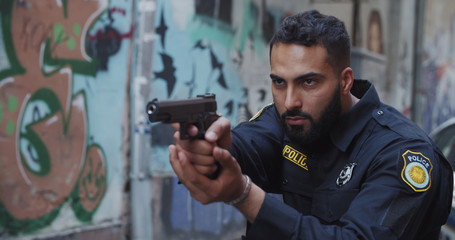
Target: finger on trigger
(192, 130)
(176, 136)
(175, 126)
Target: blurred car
(444, 137)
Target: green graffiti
(203, 27)
(247, 25)
(35, 151)
(15, 226)
(12, 103)
(65, 8)
(10, 128)
(49, 97)
(100, 181)
(34, 154)
(77, 29)
(58, 33)
(16, 68)
(71, 43)
(82, 67)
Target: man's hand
(194, 160)
(227, 186)
(199, 152)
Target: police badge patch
(416, 171)
(345, 174)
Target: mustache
(296, 113)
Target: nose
(293, 100)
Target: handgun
(199, 111)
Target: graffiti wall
(217, 47)
(207, 47)
(437, 84)
(65, 107)
(63, 77)
(202, 47)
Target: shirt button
(285, 181)
(380, 112)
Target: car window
(445, 140)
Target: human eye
(309, 82)
(277, 81)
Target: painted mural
(207, 47)
(200, 48)
(438, 64)
(54, 162)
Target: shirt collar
(353, 121)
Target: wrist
(252, 204)
(244, 194)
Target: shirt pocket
(329, 206)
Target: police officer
(347, 165)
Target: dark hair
(312, 28)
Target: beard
(317, 131)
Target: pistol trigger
(183, 131)
(200, 130)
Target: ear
(346, 81)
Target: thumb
(224, 157)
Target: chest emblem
(416, 171)
(295, 157)
(345, 174)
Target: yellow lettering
(291, 155)
(295, 156)
(286, 150)
(304, 166)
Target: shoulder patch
(416, 171)
(259, 113)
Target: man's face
(305, 90)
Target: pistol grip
(183, 131)
(202, 125)
(184, 134)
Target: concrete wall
(436, 83)
(202, 47)
(78, 157)
(384, 49)
(63, 88)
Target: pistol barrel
(181, 110)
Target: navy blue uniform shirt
(378, 176)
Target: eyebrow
(301, 77)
